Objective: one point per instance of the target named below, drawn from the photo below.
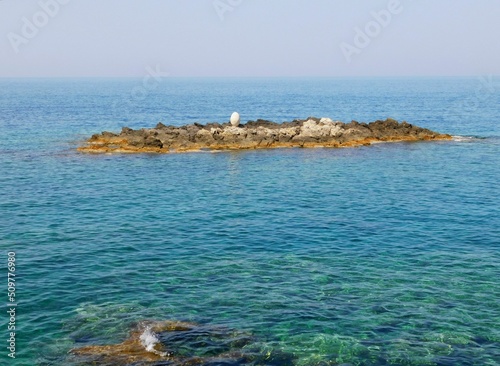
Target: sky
(249, 38)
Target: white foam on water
(464, 138)
(149, 340)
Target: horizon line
(256, 77)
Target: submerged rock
(312, 132)
(173, 343)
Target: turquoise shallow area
(380, 255)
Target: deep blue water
(380, 255)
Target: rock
(312, 132)
(204, 137)
(153, 142)
(107, 134)
(233, 134)
(262, 123)
(209, 126)
(177, 343)
(137, 141)
(316, 130)
(235, 119)
(192, 131)
(287, 134)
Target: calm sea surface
(381, 255)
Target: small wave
(149, 340)
(467, 138)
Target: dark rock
(295, 123)
(315, 119)
(108, 134)
(261, 123)
(130, 132)
(209, 126)
(352, 124)
(137, 141)
(153, 142)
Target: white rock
(326, 120)
(235, 119)
(310, 123)
(311, 128)
(232, 130)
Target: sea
(378, 255)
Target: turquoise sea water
(380, 255)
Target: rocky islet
(260, 134)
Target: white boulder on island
(235, 119)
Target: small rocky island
(260, 134)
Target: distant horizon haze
(249, 38)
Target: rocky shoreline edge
(260, 134)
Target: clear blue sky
(256, 38)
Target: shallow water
(380, 255)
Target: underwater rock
(142, 345)
(312, 132)
(174, 343)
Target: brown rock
(176, 343)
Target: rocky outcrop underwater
(260, 134)
(175, 343)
